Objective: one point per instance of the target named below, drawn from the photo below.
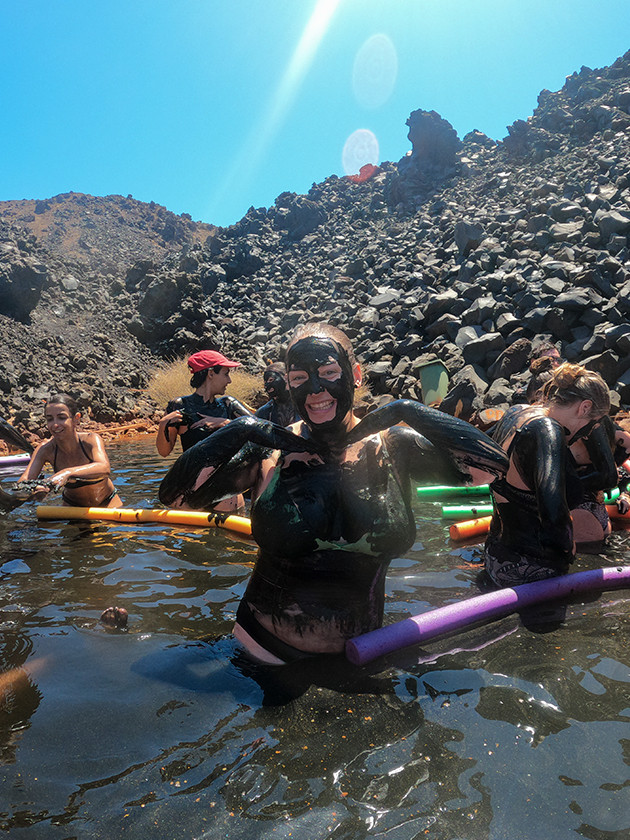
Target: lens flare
(375, 71)
(360, 148)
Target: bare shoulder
(89, 437)
(92, 439)
(45, 450)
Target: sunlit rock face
(434, 140)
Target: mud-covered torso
(327, 532)
(281, 413)
(194, 408)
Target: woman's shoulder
(46, 448)
(542, 427)
(90, 438)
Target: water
(506, 731)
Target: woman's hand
(173, 418)
(60, 478)
(210, 423)
(165, 441)
(623, 503)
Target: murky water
(506, 731)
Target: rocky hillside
(105, 234)
(465, 251)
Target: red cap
(209, 358)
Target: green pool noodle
(443, 491)
(459, 512)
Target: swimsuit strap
(54, 463)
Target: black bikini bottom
(272, 644)
(104, 503)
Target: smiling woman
(331, 497)
(319, 375)
(79, 461)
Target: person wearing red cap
(197, 415)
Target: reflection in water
(164, 729)
(19, 696)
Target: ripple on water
(163, 730)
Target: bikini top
(79, 482)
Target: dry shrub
(247, 388)
(172, 379)
(169, 380)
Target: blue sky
(211, 106)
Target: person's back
(531, 535)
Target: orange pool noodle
(470, 528)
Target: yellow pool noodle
(198, 518)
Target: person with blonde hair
(532, 534)
(331, 497)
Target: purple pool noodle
(18, 460)
(443, 620)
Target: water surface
(509, 731)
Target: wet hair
(323, 330)
(572, 383)
(276, 367)
(63, 399)
(622, 419)
(542, 370)
(199, 376)
(543, 350)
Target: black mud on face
(310, 354)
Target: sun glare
(301, 60)
(304, 54)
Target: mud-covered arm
(540, 453)
(446, 448)
(169, 427)
(237, 409)
(418, 459)
(9, 501)
(227, 462)
(10, 435)
(601, 473)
